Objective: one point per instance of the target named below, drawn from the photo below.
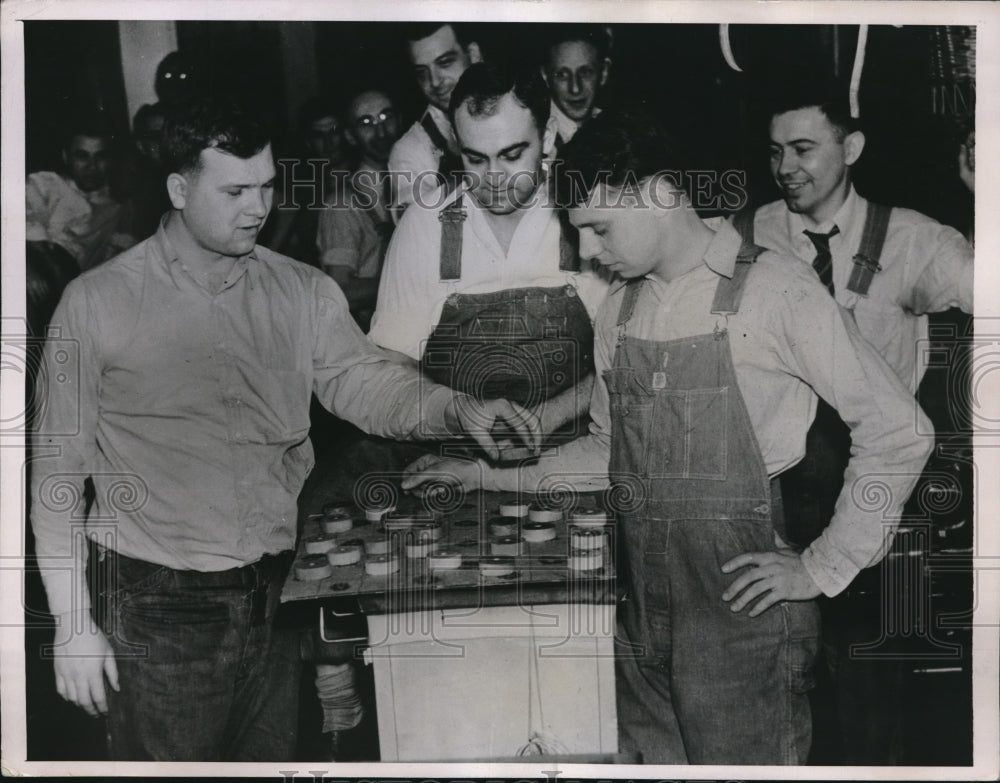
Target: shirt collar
(443, 124)
(165, 253)
(843, 219)
(565, 127)
(720, 255)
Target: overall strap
(452, 219)
(743, 223)
(569, 258)
(432, 130)
(632, 289)
(872, 240)
(729, 291)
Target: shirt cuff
(831, 572)
(434, 404)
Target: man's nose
(575, 85)
(258, 205)
(435, 78)
(589, 246)
(787, 162)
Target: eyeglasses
(367, 121)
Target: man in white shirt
(428, 152)
(76, 210)
(888, 287)
(490, 272)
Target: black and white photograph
(546, 390)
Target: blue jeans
(205, 673)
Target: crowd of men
(745, 376)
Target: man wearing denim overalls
(710, 357)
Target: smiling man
(484, 292)
(709, 361)
(427, 154)
(577, 65)
(889, 268)
(198, 352)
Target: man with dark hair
(308, 179)
(710, 357)
(576, 66)
(487, 279)
(889, 267)
(427, 155)
(353, 232)
(198, 352)
(147, 192)
(76, 209)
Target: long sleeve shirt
(926, 268)
(88, 225)
(789, 342)
(188, 405)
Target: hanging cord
(859, 64)
(727, 48)
(540, 742)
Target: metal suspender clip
(453, 215)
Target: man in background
(576, 66)
(353, 231)
(427, 155)
(75, 209)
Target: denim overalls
(699, 684)
(522, 344)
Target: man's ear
(605, 70)
(545, 74)
(475, 55)
(854, 144)
(350, 137)
(177, 190)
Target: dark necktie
(823, 263)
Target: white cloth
(926, 268)
(415, 154)
(412, 294)
(85, 223)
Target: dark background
(679, 72)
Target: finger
(111, 670)
(416, 479)
(753, 591)
(61, 686)
(526, 424)
(98, 697)
(486, 443)
(420, 463)
(765, 603)
(69, 690)
(749, 558)
(742, 582)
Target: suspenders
(453, 216)
(449, 161)
(728, 291)
(865, 261)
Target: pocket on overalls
(803, 623)
(690, 427)
(631, 406)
